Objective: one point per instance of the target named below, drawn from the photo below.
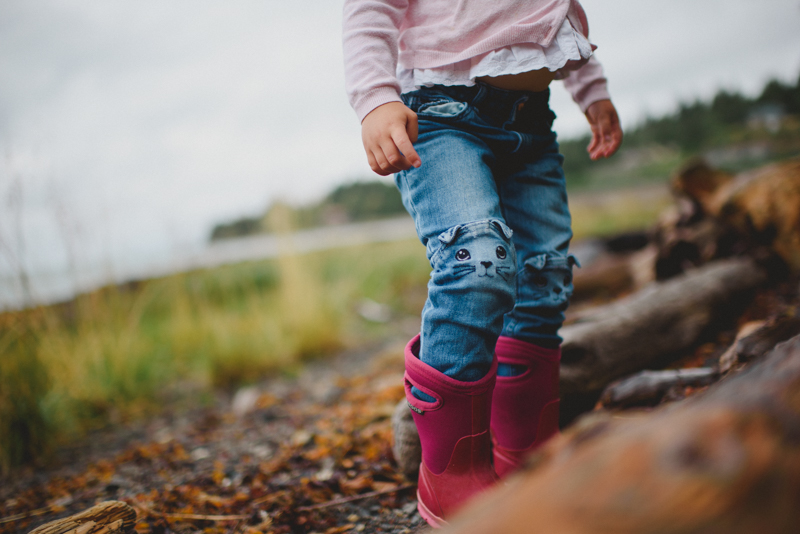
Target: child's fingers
(385, 168)
(377, 159)
(606, 136)
(606, 131)
(402, 141)
(412, 126)
(615, 140)
(397, 161)
(373, 164)
(594, 142)
(388, 133)
(387, 158)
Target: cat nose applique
(486, 264)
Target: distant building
(766, 116)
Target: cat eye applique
(463, 255)
(501, 252)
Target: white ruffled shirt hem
(568, 51)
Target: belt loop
(519, 104)
(480, 94)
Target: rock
(406, 447)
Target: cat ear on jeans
(449, 235)
(505, 230)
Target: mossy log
(724, 461)
(107, 517)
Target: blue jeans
(490, 205)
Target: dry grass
(610, 212)
(113, 354)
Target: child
(453, 98)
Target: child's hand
(387, 133)
(606, 131)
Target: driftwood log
(756, 338)
(648, 388)
(613, 272)
(648, 328)
(718, 214)
(644, 330)
(726, 461)
(109, 517)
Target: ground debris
(293, 465)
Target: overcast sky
(129, 128)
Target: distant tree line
(352, 202)
(696, 126)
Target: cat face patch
(482, 249)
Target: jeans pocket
(444, 109)
(434, 105)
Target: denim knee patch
(547, 279)
(470, 290)
(476, 253)
(544, 286)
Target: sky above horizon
(128, 129)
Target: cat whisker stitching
(502, 272)
(461, 271)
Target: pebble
(410, 508)
(200, 453)
(301, 437)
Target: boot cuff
(436, 384)
(514, 351)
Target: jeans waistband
(481, 92)
(527, 110)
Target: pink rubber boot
(524, 407)
(454, 432)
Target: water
(57, 285)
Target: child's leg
(454, 201)
(450, 369)
(525, 403)
(534, 198)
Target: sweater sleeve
(587, 84)
(369, 38)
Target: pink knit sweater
(432, 33)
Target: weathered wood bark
(727, 461)
(759, 338)
(647, 388)
(608, 274)
(643, 330)
(719, 213)
(612, 273)
(105, 518)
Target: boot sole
(432, 519)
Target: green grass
(119, 353)
(114, 354)
(611, 212)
